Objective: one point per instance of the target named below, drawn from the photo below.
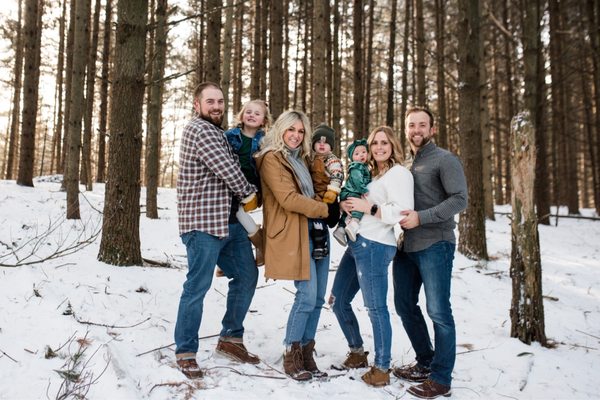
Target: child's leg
(319, 235)
(247, 221)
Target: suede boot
(293, 364)
(309, 362)
(257, 241)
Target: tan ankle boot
(257, 241)
(293, 364)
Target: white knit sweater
(393, 193)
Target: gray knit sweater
(440, 194)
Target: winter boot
(293, 364)
(257, 241)
(376, 377)
(309, 362)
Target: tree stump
(527, 308)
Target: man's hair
(200, 88)
(415, 109)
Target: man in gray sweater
(426, 258)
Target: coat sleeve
(282, 183)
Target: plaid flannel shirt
(209, 174)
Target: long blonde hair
(273, 140)
(267, 119)
(397, 155)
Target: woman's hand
(356, 204)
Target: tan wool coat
(285, 218)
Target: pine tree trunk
(227, 58)
(58, 125)
(120, 244)
(405, 51)
(368, 69)
(68, 86)
(256, 56)
(440, 32)
(103, 113)
(594, 34)
(319, 64)
(86, 154)
(389, 114)
(357, 26)
(276, 59)
(336, 92)
(527, 307)
(30, 93)
(80, 54)
(486, 145)
(510, 96)
(213, 41)
(472, 242)
(534, 99)
(16, 107)
(154, 110)
(238, 86)
(420, 43)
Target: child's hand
(329, 197)
(250, 202)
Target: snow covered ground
(118, 315)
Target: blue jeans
(364, 266)
(234, 256)
(431, 268)
(310, 297)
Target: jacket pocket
(277, 226)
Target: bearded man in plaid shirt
(210, 188)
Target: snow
(133, 311)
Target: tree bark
(86, 154)
(58, 119)
(256, 56)
(68, 85)
(276, 80)
(527, 307)
(16, 110)
(319, 64)
(30, 92)
(440, 26)
(80, 56)
(405, 51)
(420, 43)
(472, 242)
(389, 114)
(120, 244)
(103, 113)
(154, 110)
(368, 70)
(227, 58)
(357, 26)
(213, 41)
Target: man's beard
(216, 122)
(424, 141)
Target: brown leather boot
(376, 377)
(257, 241)
(293, 364)
(309, 362)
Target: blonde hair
(273, 140)
(267, 120)
(397, 155)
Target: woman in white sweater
(366, 261)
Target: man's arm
(213, 153)
(454, 183)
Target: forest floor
(73, 324)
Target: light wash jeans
(310, 297)
(365, 266)
(234, 256)
(431, 268)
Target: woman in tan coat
(288, 203)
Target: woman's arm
(282, 182)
